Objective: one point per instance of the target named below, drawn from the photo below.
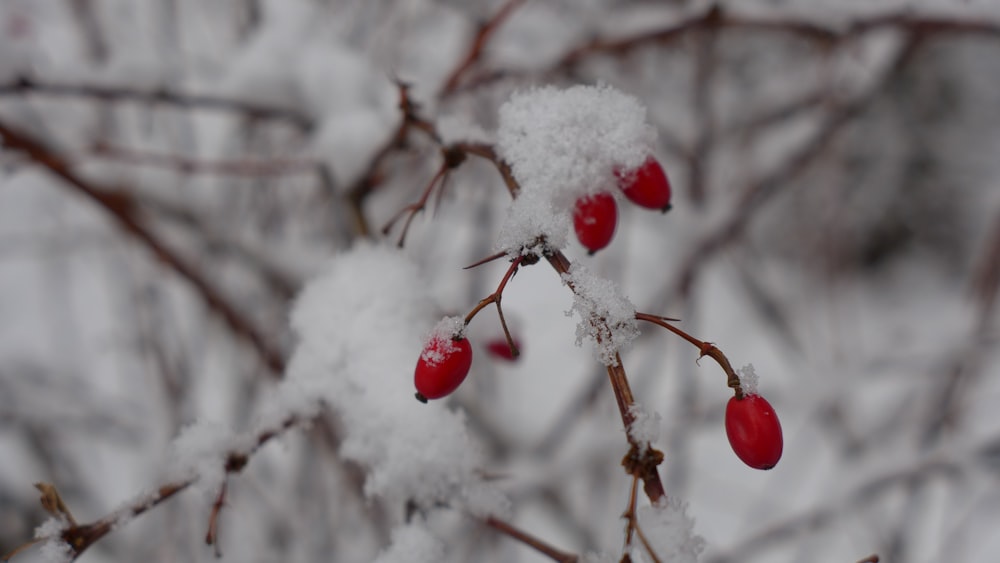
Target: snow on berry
(748, 379)
(607, 317)
(442, 340)
(561, 145)
(359, 326)
(445, 360)
(670, 532)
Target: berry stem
(531, 541)
(704, 348)
(495, 298)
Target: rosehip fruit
(500, 350)
(442, 367)
(646, 186)
(754, 431)
(595, 218)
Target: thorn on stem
(488, 259)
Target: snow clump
(748, 379)
(441, 342)
(562, 145)
(607, 317)
(645, 427)
(360, 326)
(412, 544)
(670, 531)
(54, 549)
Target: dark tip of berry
(666, 208)
(420, 397)
(591, 252)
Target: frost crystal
(748, 379)
(607, 317)
(671, 532)
(561, 145)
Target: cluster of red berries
(754, 431)
(752, 426)
(596, 216)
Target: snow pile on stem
(670, 531)
(412, 544)
(607, 317)
(561, 145)
(54, 549)
(200, 452)
(360, 326)
(645, 427)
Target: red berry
(442, 367)
(499, 349)
(754, 431)
(594, 219)
(647, 186)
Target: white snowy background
(836, 223)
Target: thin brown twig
(372, 176)
(212, 535)
(486, 260)
(704, 348)
(284, 284)
(632, 525)
(123, 208)
(80, 537)
(188, 165)
(24, 85)
(495, 298)
(412, 209)
(717, 18)
(765, 187)
(453, 158)
(475, 52)
(531, 541)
